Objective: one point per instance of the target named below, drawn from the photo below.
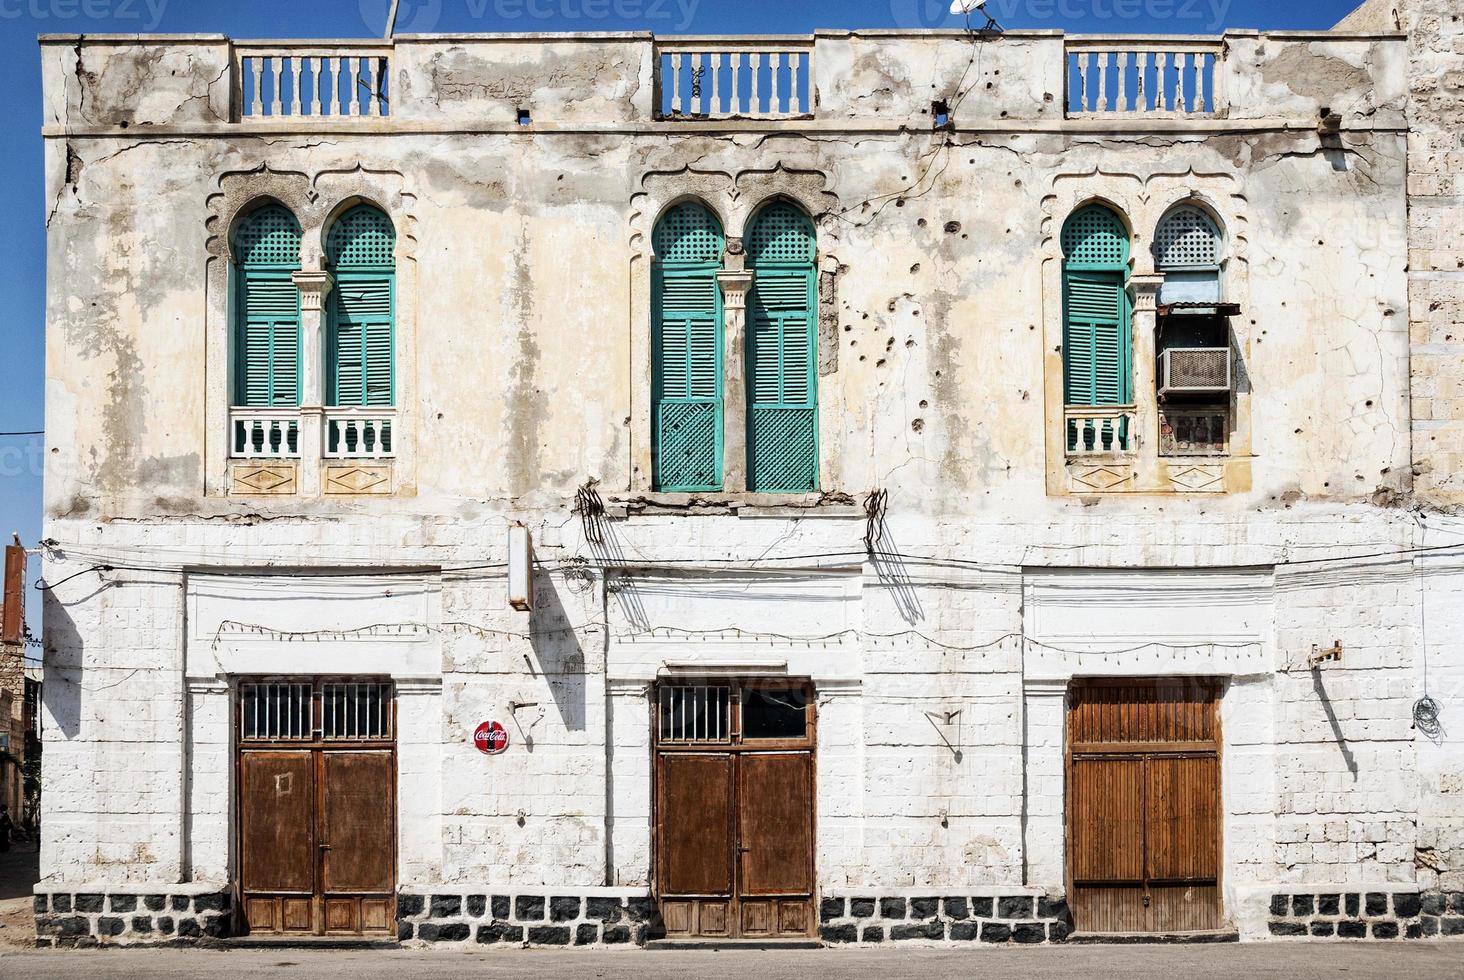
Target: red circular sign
(491, 738)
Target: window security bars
(306, 711)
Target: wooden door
(734, 809)
(317, 807)
(775, 834)
(1143, 805)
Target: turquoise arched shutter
(362, 330)
(686, 350)
(267, 310)
(782, 353)
(1097, 330)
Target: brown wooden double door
(735, 810)
(1143, 805)
(317, 807)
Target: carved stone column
(314, 286)
(1145, 287)
(735, 281)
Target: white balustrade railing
(1093, 429)
(336, 81)
(723, 78)
(360, 433)
(1155, 77)
(264, 433)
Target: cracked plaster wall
(1436, 325)
(525, 386)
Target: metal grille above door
(1143, 805)
(317, 806)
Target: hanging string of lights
(234, 627)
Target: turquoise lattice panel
(784, 450)
(688, 446)
(363, 237)
(268, 237)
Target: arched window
(782, 352)
(1187, 250)
(1096, 330)
(360, 341)
(686, 350)
(266, 309)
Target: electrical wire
(580, 562)
(936, 153)
(36, 432)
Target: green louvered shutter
(782, 353)
(1097, 324)
(687, 351)
(362, 325)
(1095, 339)
(361, 247)
(267, 310)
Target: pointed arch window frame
(1089, 283)
(783, 452)
(349, 276)
(266, 282)
(688, 407)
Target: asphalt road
(1292, 961)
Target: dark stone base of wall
(505, 918)
(86, 919)
(871, 918)
(1367, 915)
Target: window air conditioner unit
(1194, 371)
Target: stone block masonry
(78, 917)
(1366, 915)
(870, 918)
(596, 917)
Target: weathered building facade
(975, 488)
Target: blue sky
(22, 245)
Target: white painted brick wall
(1306, 803)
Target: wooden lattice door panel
(1143, 806)
(317, 806)
(734, 810)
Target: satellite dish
(960, 7)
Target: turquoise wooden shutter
(782, 430)
(686, 351)
(1095, 339)
(1097, 324)
(362, 325)
(266, 320)
(362, 331)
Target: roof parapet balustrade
(340, 79)
(1152, 77)
(734, 78)
(876, 80)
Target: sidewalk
(1435, 960)
(19, 870)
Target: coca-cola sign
(491, 738)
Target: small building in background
(16, 722)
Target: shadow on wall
(558, 655)
(62, 693)
(1326, 700)
(889, 565)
